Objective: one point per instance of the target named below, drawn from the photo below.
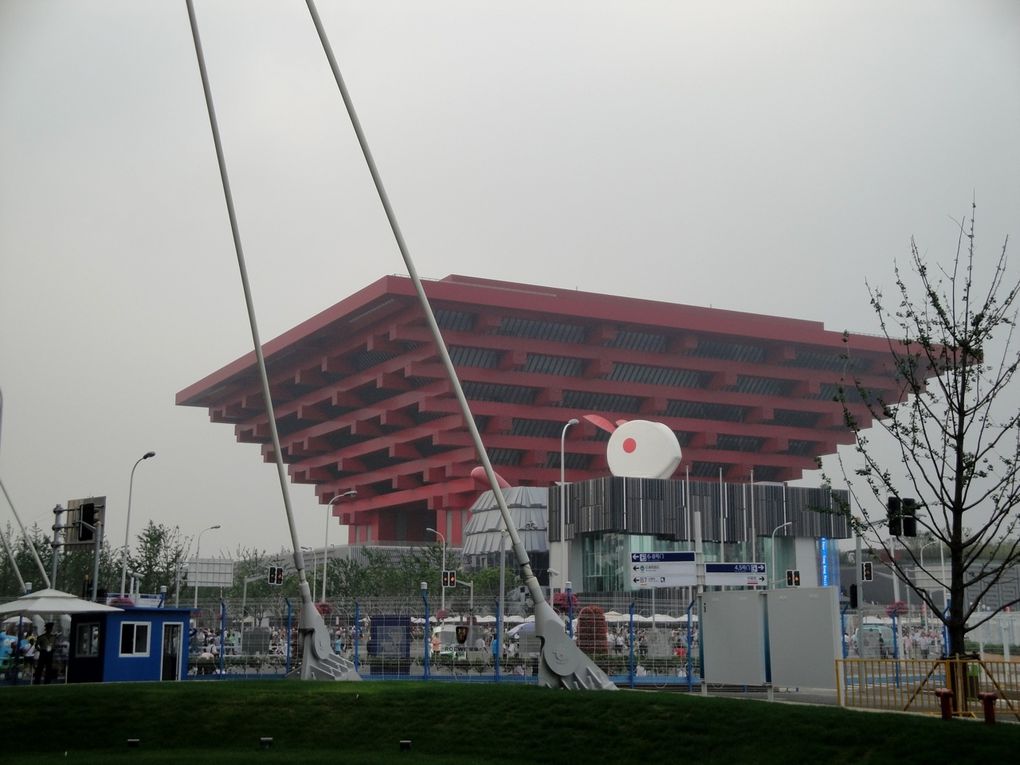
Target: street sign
(662, 569)
(92, 510)
(736, 575)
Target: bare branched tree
(958, 433)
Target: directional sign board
(736, 575)
(649, 570)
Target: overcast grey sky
(757, 156)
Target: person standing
(45, 644)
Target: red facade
(362, 400)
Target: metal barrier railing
(910, 685)
(398, 638)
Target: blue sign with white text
(662, 557)
(735, 568)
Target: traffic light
(909, 517)
(867, 574)
(796, 578)
(449, 578)
(789, 577)
(894, 516)
(853, 596)
(275, 575)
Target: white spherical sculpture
(643, 449)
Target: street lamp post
(325, 540)
(772, 578)
(442, 590)
(564, 557)
(198, 549)
(127, 523)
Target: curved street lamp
(325, 540)
(564, 555)
(198, 547)
(442, 590)
(772, 577)
(127, 523)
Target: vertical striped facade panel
(729, 513)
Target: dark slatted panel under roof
(572, 462)
(601, 402)
(721, 349)
(639, 341)
(542, 330)
(697, 410)
(422, 417)
(767, 473)
(648, 375)
(827, 360)
(762, 386)
(554, 365)
(504, 456)
(536, 428)
(371, 395)
(362, 360)
(830, 392)
(800, 448)
(795, 419)
(464, 356)
(705, 469)
(460, 321)
(510, 394)
(739, 443)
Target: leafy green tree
(957, 436)
(157, 557)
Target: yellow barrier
(909, 685)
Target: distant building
(362, 401)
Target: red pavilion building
(363, 402)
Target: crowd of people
(27, 652)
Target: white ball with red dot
(643, 449)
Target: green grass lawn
(313, 722)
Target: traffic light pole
(244, 600)
(860, 581)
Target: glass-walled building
(609, 519)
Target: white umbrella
(51, 601)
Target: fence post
(498, 653)
(223, 639)
(630, 642)
(690, 657)
(356, 633)
(290, 614)
(427, 673)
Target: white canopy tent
(50, 601)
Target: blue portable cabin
(136, 644)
